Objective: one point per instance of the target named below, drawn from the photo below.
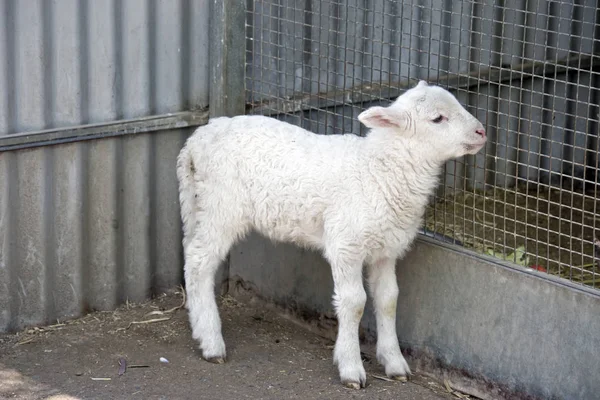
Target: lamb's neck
(404, 172)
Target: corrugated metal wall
(88, 225)
(72, 62)
(351, 54)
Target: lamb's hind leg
(212, 221)
(384, 290)
(202, 259)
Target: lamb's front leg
(384, 290)
(349, 301)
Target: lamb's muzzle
(358, 200)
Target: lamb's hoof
(216, 360)
(352, 385)
(400, 378)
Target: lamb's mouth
(473, 147)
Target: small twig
(148, 321)
(101, 379)
(479, 219)
(383, 378)
(24, 342)
(447, 385)
(584, 265)
(456, 393)
(139, 366)
(157, 312)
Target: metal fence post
(227, 95)
(226, 54)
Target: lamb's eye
(438, 119)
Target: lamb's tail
(187, 193)
(187, 177)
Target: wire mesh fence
(528, 69)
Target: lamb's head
(432, 118)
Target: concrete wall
(506, 328)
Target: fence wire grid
(527, 69)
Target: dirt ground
(269, 357)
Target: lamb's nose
(480, 132)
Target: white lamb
(360, 200)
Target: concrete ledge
(497, 329)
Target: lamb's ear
(422, 84)
(381, 117)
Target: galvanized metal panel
(32, 242)
(166, 233)
(87, 226)
(102, 61)
(70, 62)
(103, 225)
(30, 64)
(5, 68)
(195, 53)
(5, 242)
(168, 44)
(134, 216)
(135, 54)
(66, 226)
(66, 105)
(133, 158)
